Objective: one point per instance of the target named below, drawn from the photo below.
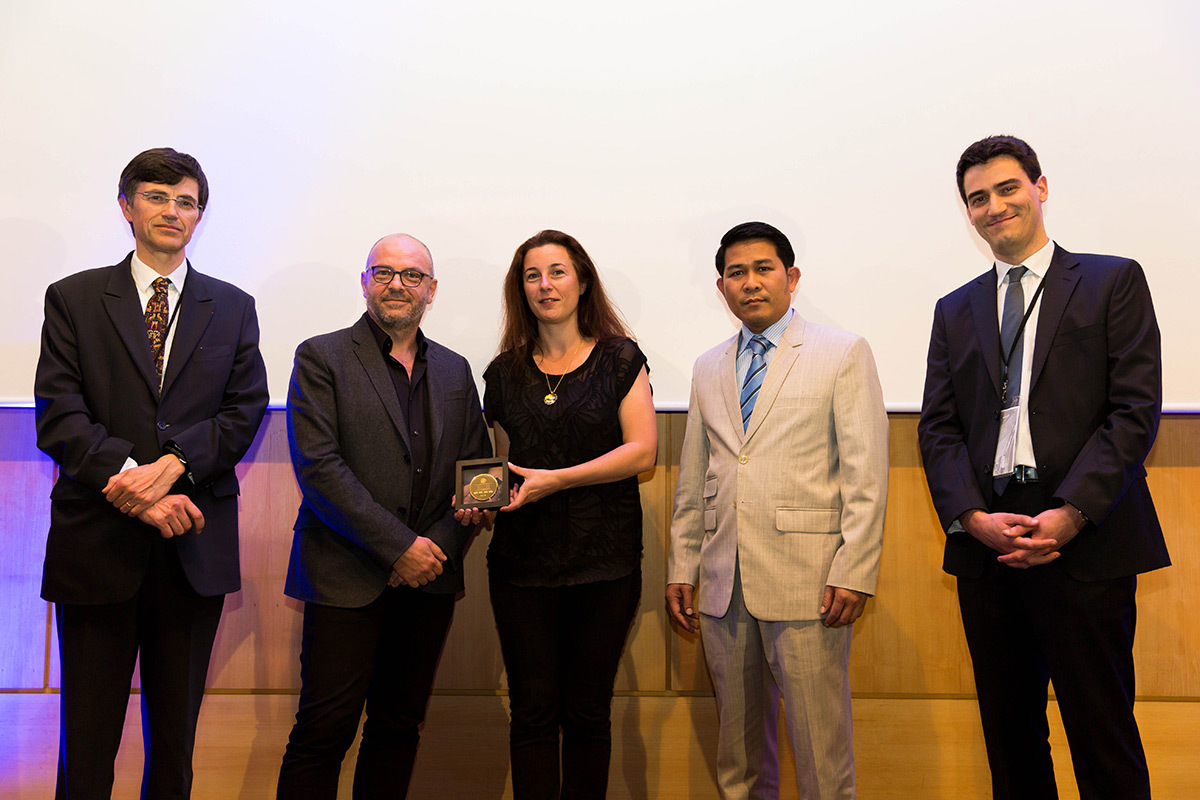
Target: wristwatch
(174, 449)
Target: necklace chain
(552, 395)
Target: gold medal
(484, 487)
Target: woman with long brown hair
(569, 399)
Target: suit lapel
(729, 386)
(435, 374)
(982, 296)
(366, 349)
(777, 371)
(196, 310)
(123, 306)
(1061, 278)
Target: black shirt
(413, 393)
(579, 535)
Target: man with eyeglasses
(377, 417)
(149, 390)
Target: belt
(1024, 474)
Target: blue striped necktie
(754, 376)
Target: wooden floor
(663, 747)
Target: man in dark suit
(377, 417)
(1042, 400)
(149, 390)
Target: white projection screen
(645, 129)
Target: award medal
(484, 486)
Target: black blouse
(589, 533)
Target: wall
(916, 726)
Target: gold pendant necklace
(552, 396)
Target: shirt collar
(772, 334)
(144, 276)
(385, 341)
(1037, 264)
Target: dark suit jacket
(98, 403)
(1095, 397)
(351, 453)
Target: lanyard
(167, 335)
(1005, 357)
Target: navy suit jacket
(351, 452)
(98, 403)
(1095, 397)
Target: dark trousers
(172, 629)
(384, 654)
(1025, 627)
(561, 648)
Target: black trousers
(384, 654)
(561, 648)
(1025, 627)
(172, 629)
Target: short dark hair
(162, 165)
(750, 231)
(598, 317)
(991, 147)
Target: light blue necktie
(754, 376)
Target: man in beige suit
(779, 520)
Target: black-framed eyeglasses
(409, 277)
(162, 198)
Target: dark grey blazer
(351, 453)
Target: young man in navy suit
(1042, 400)
(149, 390)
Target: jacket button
(162, 426)
(743, 460)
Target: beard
(396, 320)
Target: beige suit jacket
(797, 498)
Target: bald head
(405, 264)
(399, 245)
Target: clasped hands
(141, 492)
(422, 562)
(1021, 540)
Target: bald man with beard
(377, 417)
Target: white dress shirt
(772, 334)
(143, 279)
(1035, 266)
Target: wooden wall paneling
(910, 639)
(258, 642)
(689, 671)
(1167, 644)
(644, 665)
(26, 477)
(471, 659)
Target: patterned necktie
(1014, 312)
(754, 376)
(156, 323)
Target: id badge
(1006, 447)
